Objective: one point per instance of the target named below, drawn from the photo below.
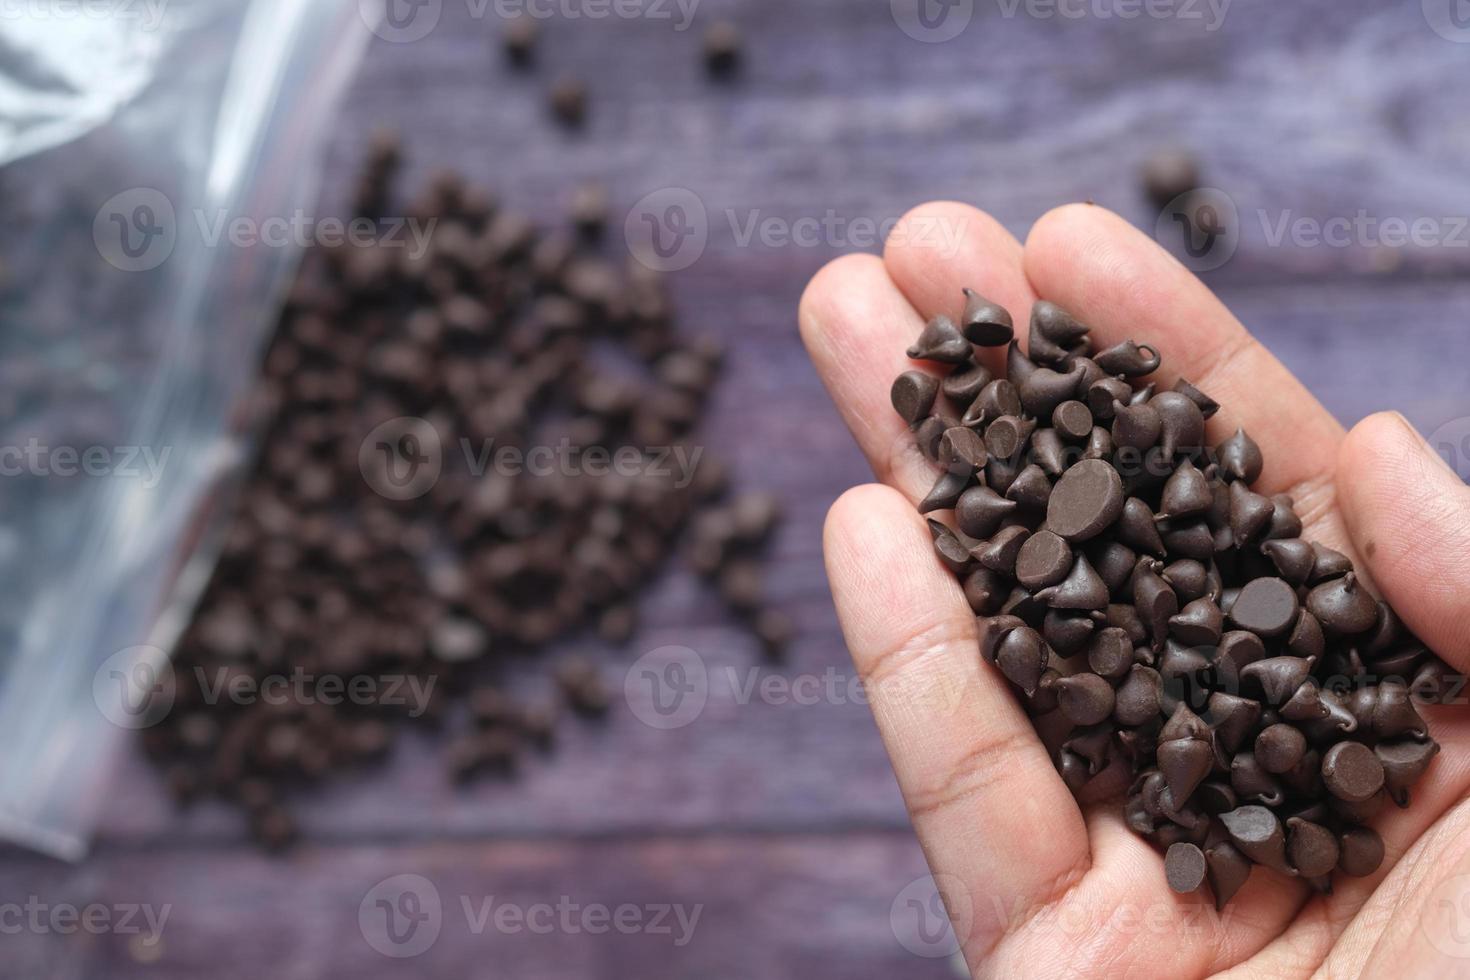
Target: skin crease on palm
(1037, 885)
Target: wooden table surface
(779, 819)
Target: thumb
(1409, 517)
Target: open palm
(1038, 885)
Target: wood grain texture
(784, 817)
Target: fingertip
(819, 304)
(938, 248)
(1409, 517)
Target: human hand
(1038, 885)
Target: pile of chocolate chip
(1157, 612)
(497, 336)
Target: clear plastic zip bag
(131, 133)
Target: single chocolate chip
(1184, 867)
(1066, 632)
(1110, 653)
(1138, 530)
(1360, 852)
(1266, 606)
(1228, 871)
(946, 493)
(1082, 589)
(1233, 718)
(1086, 501)
(998, 399)
(1031, 488)
(1279, 748)
(1343, 606)
(1185, 762)
(1183, 422)
(569, 101)
(1046, 389)
(1207, 405)
(1312, 848)
(1128, 359)
(1403, 763)
(941, 341)
(1252, 782)
(1351, 771)
(965, 382)
(986, 324)
(1240, 458)
(1072, 419)
(913, 395)
(1136, 426)
(1008, 435)
(984, 589)
(1021, 656)
(962, 450)
(1044, 560)
(1198, 624)
(1169, 174)
(722, 48)
(1084, 699)
(519, 39)
(1049, 453)
(1137, 698)
(1292, 557)
(1250, 514)
(980, 510)
(999, 554)
(1257, 833)
(1155, 601)
(1186, 493)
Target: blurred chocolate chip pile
(467, 451)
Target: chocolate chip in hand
(1184, 867)
(1351, 772)
(1094, 525)
(941, 341)
(984, 323)
(1086, 501)
(913, 395)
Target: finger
(943, 247)
(1409, 516)
(986, 802)
(1112, 277)
(856, 326)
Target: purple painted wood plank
(720, 907)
